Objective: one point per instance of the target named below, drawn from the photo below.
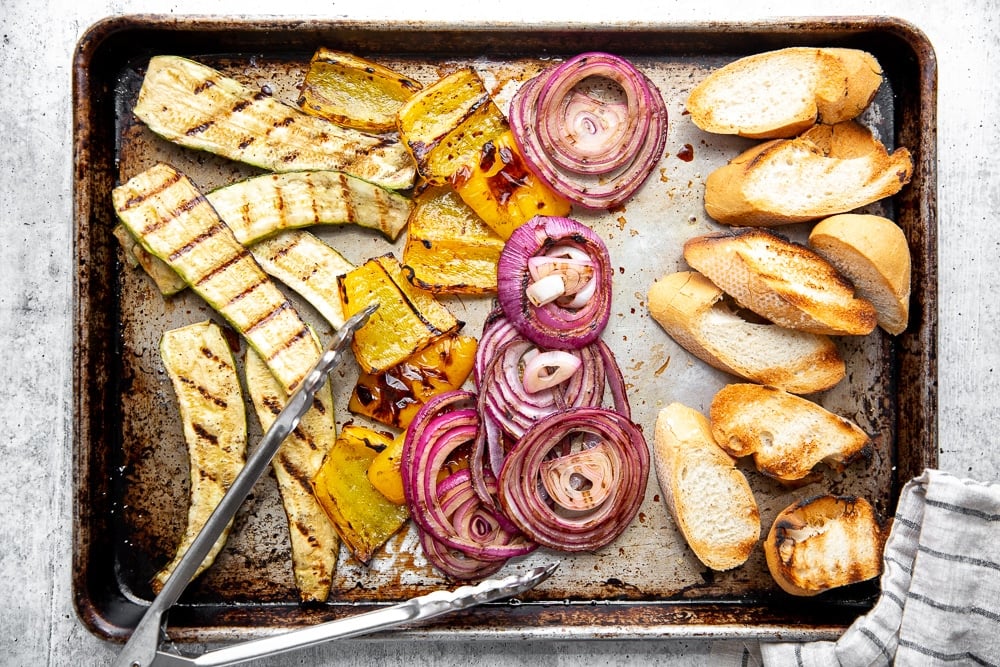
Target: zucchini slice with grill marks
(264, 205)
(193, 105)
(260, 207)
(172, 220)
(201, 368)
(308, 266)
(314, 540)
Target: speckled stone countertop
(38, 625)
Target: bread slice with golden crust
(708, 497)
(872, 252)
(824, 542)
(781, 93)
(691, 310)
(787, 435)
(782, 281)
(826, 170)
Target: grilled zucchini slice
(195, 106)
(309, 266)
(165, 278)
(200, 366)
(314, 541)
(260, 207)
(172, 220)
(264, 205)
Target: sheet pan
(130, 463)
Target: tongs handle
(141, 648)
(416, 609)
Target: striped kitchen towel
(940, 600)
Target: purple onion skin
(551, 326)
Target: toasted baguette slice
(690, 308)
(872, 252)
(780, 280)
(824, 542)
(781, 93)
(787, 435)
(708, 497)
(828, 169)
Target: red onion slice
(575, 527)
(454, 563)
(450, 511)
(553, 325)
(583, 147)
(504, 399)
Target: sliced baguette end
(828, 169)
(872, 252)
(782, 281)
(780, 93)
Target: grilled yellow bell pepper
(407, 320)
(449, 249)
(363, 517)
(394, 396)
(354, 92)
(445, 125)
(385, 472)
(500, 188)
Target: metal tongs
(143, 647)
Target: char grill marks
(196, 106)
(178, 224)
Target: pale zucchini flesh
(165, 278)
(264, 205)
(196, 106)
(172, 220)
(201, 368)
(309, 266)
(314, 541)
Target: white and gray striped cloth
(940, 600)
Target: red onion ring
(521, 492)
(450, 511)
(561, 131)
(553, 325)
(454, 563)
(505, 400)
(497, 330)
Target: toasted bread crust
(688, 307)
(872, 252)
(781, 93)
(824, 542)
(787, 435)
(783, 281)
(828, 169)
(708, 497)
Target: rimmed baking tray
(130, 474)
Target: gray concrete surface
(37, 621)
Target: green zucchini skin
(201, 368)
(314, 541)
(309, 266)
(172, 220)
(195, 106)
(261, 206)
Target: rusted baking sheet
(130, 463)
